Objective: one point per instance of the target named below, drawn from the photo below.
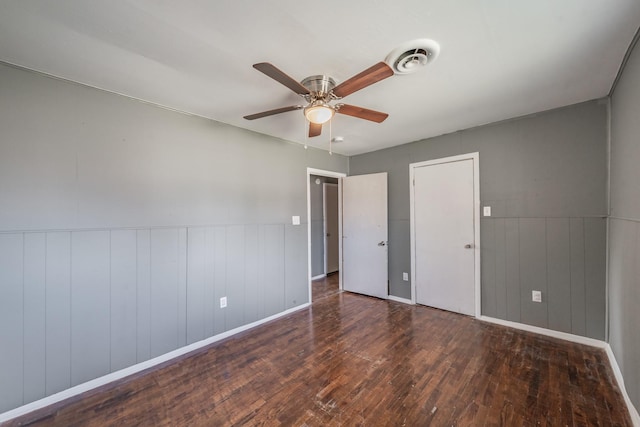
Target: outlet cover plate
(223, 302)
(536, 296)
(405, 277)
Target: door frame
(328, 174)
(324, 223)
(476, 219)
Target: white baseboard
(319, 276)
(548, 332)
(399, 299)
(633, 412)
(106, 379)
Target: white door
(364, 234)
(444, 216)
(331, 241)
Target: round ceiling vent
(409, 57)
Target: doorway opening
(324, 220)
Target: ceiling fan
(319, 91)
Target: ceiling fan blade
(362, 113)
(272, 112)
(371, 75)
(279, 76)
(314, 129)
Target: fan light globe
(319, 113)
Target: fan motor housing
(320, 85)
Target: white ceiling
(499, 58)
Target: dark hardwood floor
(322, 288)
(353, 360)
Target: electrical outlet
(486, 211)
(536, 296)
(405, 277)
(223, 302)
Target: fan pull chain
(330, 137)
(304, 130)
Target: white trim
(607, 322)
(340, 259)
(330, 174)
(476, 218)
(608, 186)
(399, 299)
(322, 172)
(122, 373)
(319, 276)
(412, 230)
(324, 227)
(607, 224)
(621, 218)
(633, 412)
(548, 332)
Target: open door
(365, 234)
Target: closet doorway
(325, 242)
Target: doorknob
(382, 243)
(468, 246)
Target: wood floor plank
(352, 360)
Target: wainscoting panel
(559, 273)
(578, 297)
(595, 272)
(197, 285)
(488, 271)
(235, 280)
(123, 298)
(562, 257)
(90, 305)
(512, 269)
(501, 267)
(82, 304)
(533, 272)
(11, 307)
(58, 319)
(35, 309)
(252, 277)
(272, 267)
(219, 251)
(295, 267)
(143, 294)
(165, 282)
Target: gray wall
(624, 226)
(122, 224)
(545, 178)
